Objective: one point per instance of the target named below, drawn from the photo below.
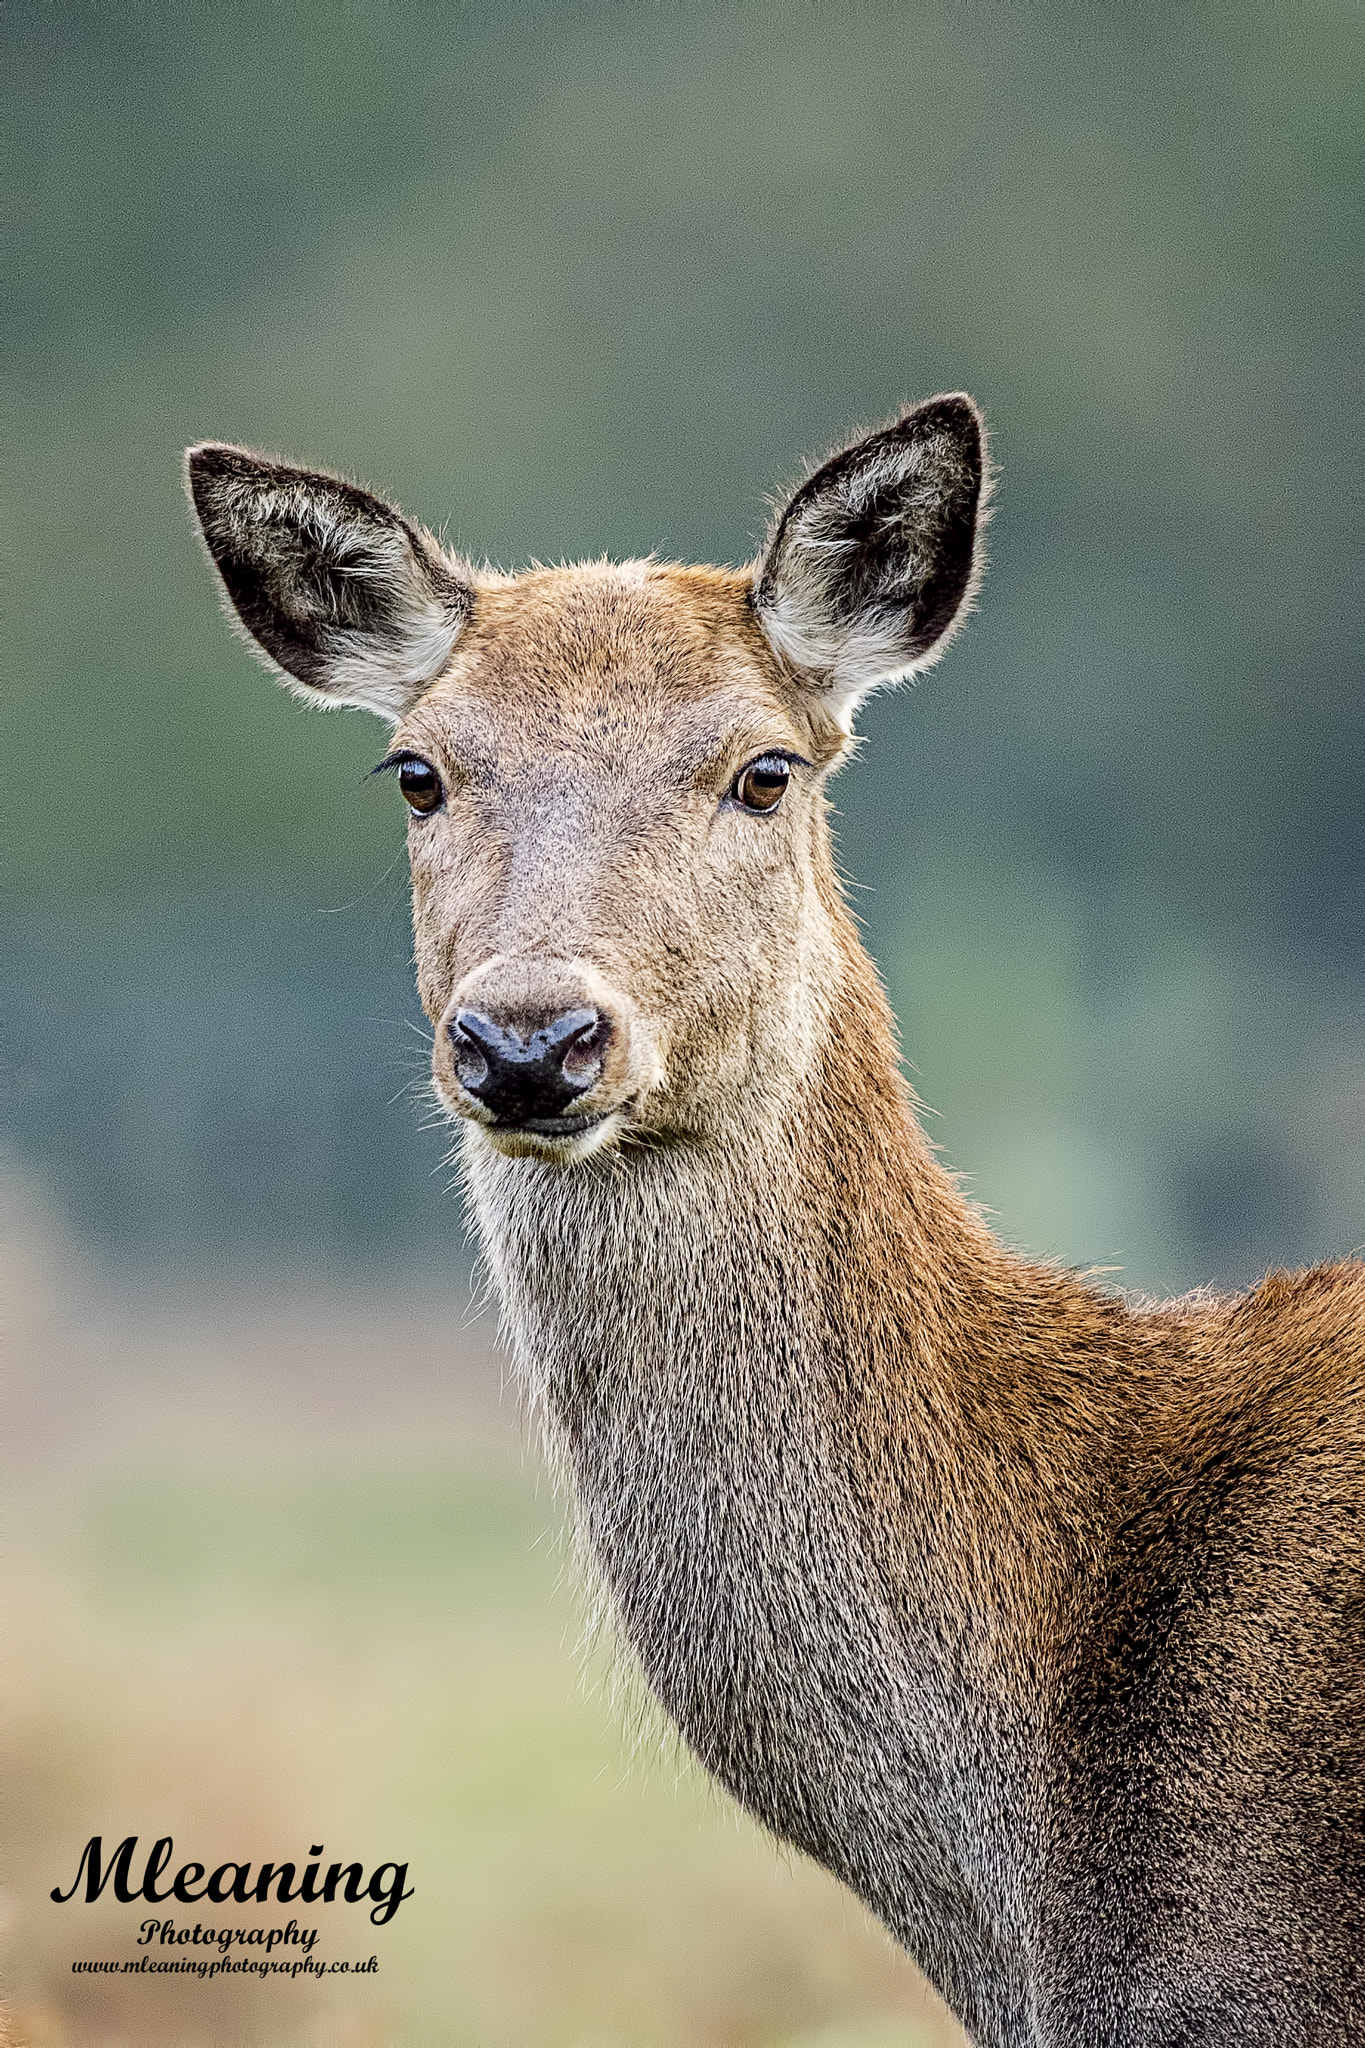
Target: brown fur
(1037, 1617)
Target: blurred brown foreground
(278, 1569)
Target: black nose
(529, 1079)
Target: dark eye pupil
(421, 785)
(763, 784)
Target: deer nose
(529, 1076)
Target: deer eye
(763, 784)
(421, 785)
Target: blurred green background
(578, 279)
(602, 278)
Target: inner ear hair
(874, 561)
(334, 588)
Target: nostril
(580, 1041)
(471, 1048)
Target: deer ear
(337, 591)
(874, 561)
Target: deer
(1033, 1613)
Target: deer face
(616, 860)
(624, 904)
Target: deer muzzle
(543, 1054)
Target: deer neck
(769, 1377)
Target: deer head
(628, 925)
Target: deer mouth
(555, 1126)
(560, 1139)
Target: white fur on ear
(339, 595)
(874, 562)
(385, 671)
